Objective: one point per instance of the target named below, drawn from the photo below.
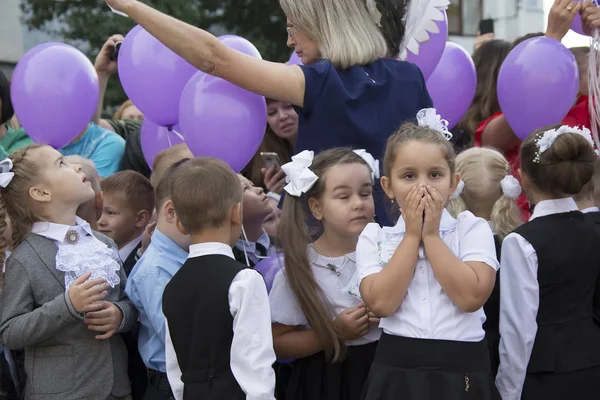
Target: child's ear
(180, 227)
(40, 193)
(386, 184)
(315, 208)
(169, 211)
(237, 217)
(142, 219)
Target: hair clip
(428, 117)
(545, 140)
(5, 172)
(298, 176)
(459, 189)
(511, 187)
(371, 161)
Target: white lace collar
(88, 254)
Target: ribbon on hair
(459, 189)
(371, 161)
(547, 139)
(298, 174)
(375, 14)
(5, 172)
(510, 187)
(428, 117)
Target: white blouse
(519, 302)
(340, 291)
(426, 311)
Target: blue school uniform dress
(359, 107)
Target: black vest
(196, 305)
(568, 255)
(594, 218)
(491, 326)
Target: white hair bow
(459, 189)
(510, 187)
(546, 139)
(299, 177)
(371, 161)
(428, 117)
(5, 172)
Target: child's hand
(413, 213)
(373, 319)
(353, 322)
(84, 294)
(107, 319)
(434, 208)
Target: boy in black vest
(219, 343)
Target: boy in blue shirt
(166, 253)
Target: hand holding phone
(271, 159)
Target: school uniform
(128, 253)
(314, 377)
(63, 359)
(491, 326)
(251, 253)
(145, 286)
(219, 343)
(429, 348)
(550, 345)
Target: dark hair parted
(295, 237)
(564, 168)
(203, 191)
(409, 132)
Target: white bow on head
(5, 172)
(371, 161)
(511, 187)
(428, 117)
(546, 140)
(459, 189)
(299, 177)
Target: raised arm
(205, 52)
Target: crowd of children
(460, 299)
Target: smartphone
(486, 26)
(115, 52)
(271, 159)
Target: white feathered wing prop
(420, 21)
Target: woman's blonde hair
(118, 115)
(345, 31)
(482, 169)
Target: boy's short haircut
(89, 169)
(134, 187)
(204, 190)
(166, 158)
(162, 191)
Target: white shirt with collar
(590, 210)
(88, 254)
(126, 250)
(426, 311)
(519, 302)
(337, 277)
(252, 354)
(250, 247)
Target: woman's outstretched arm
(205, 52)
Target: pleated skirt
(312, 378)
(423, 369)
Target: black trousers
(158, 386)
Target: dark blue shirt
(359, 107)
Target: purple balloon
(577, 24)
(268, 268)
(430, 52)
(153, 76)
(452, 84)
(156, 138)
(221, 120)
(54, 90)
(537, 85)
(240, 44)
(295, 60)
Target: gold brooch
(72, 237)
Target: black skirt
(312, 378)
(581, 385)
(422, 369)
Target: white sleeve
(173, 371)
(476, 240)
(368, 258)
(519, 303)
(252, 354)
(285, 309)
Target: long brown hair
(488, 59)
(15, 201)
(295, 237)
